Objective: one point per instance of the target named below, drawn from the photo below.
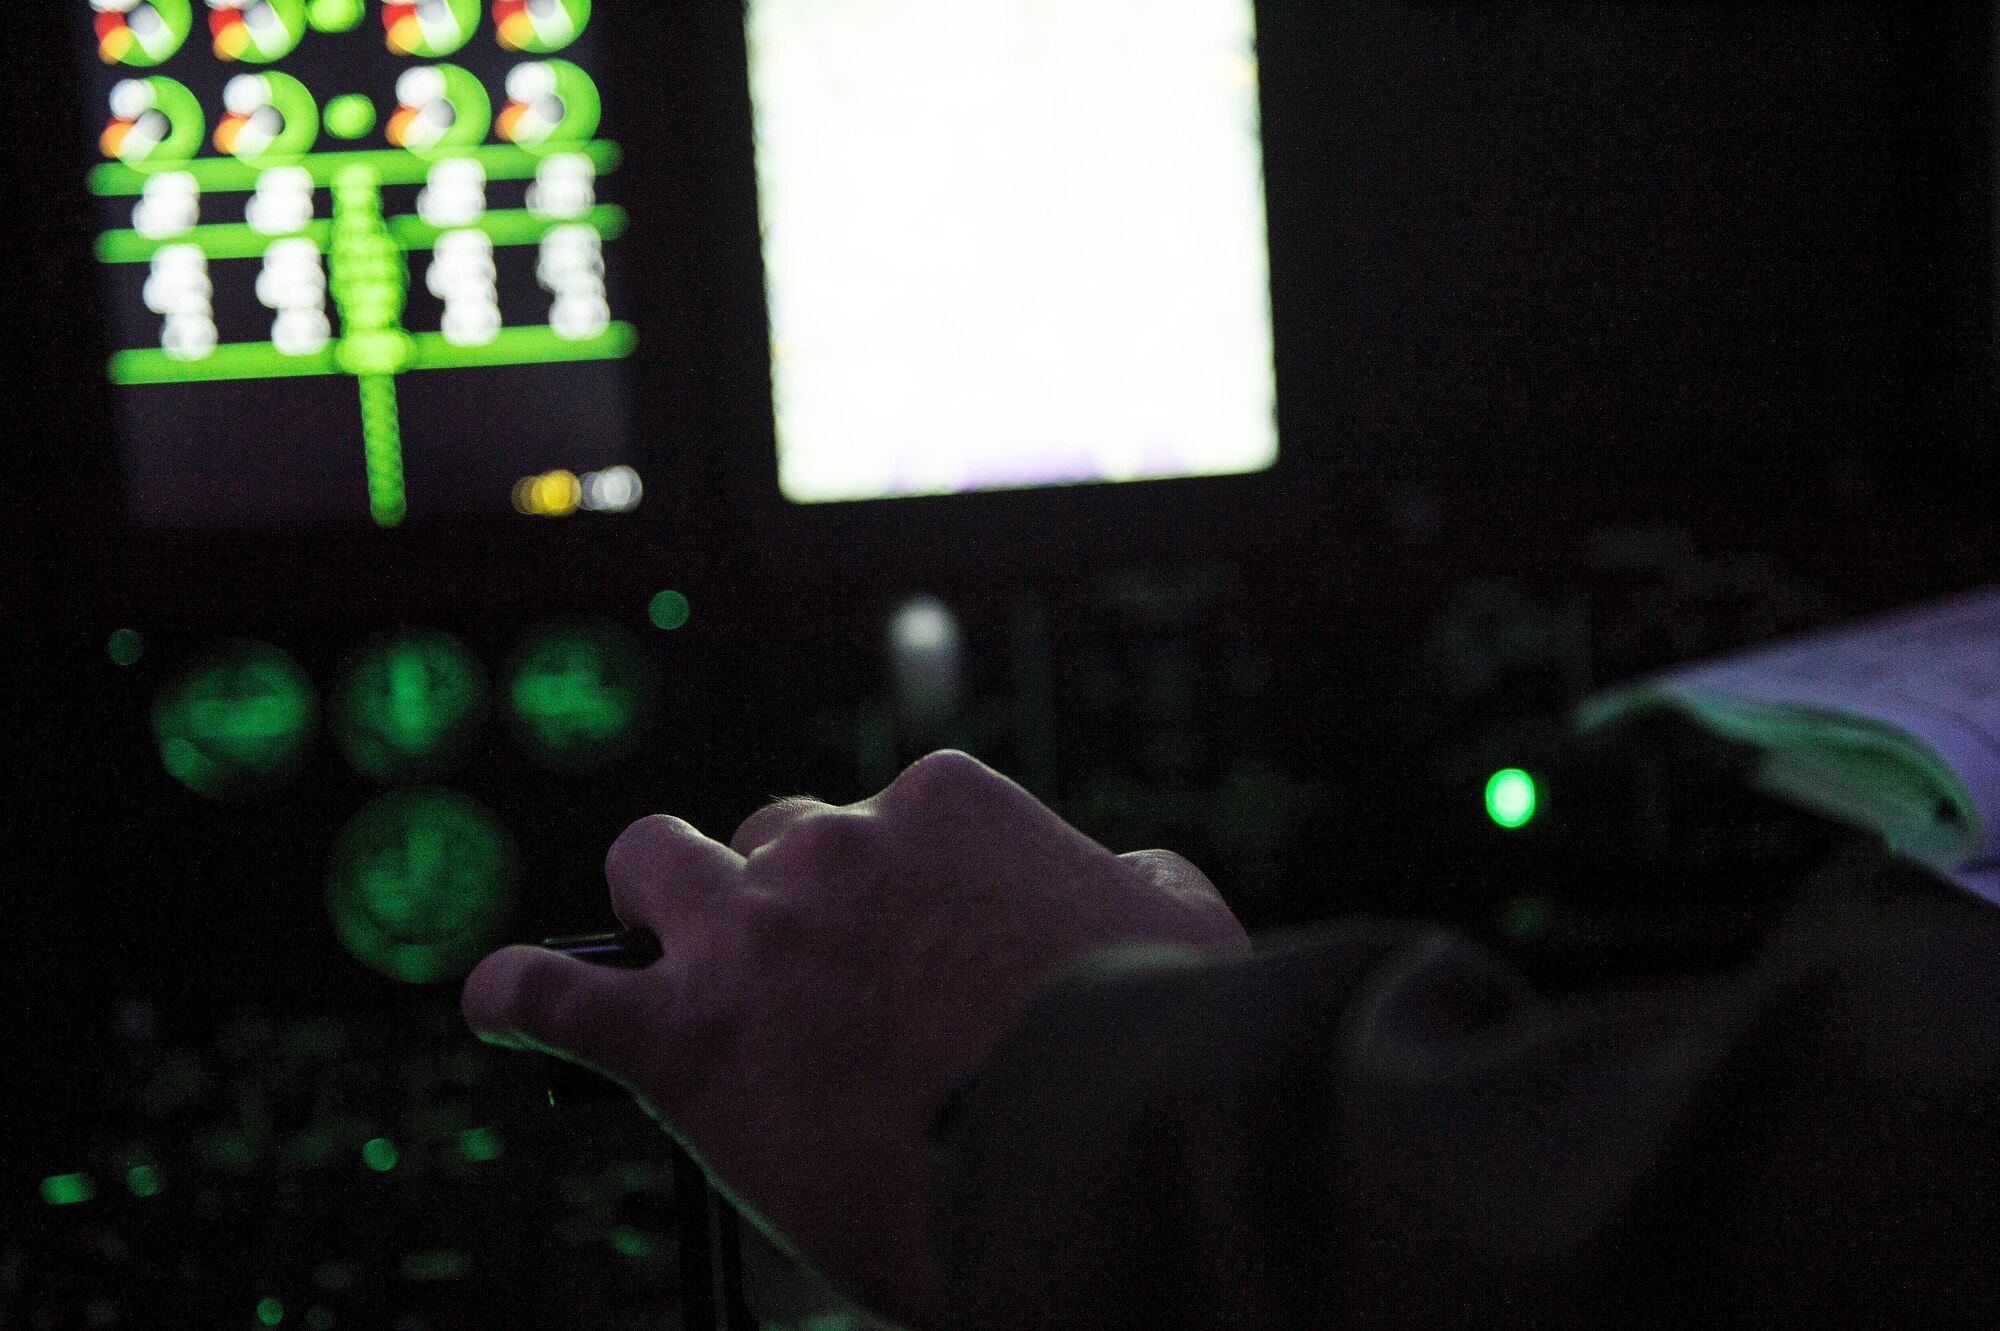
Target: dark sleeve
(1384, 1123)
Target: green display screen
(236, 721)
(410, 706)
(580, 696)
(359, 260)
(419, 882)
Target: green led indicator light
(380, 1154)
(1510, 797)
(270, 1311)
(238, 721)
(541, 27)
(410, 707)
(349, 116)
(580, 696)
(479, 1145)
(419, 883)
(66, 1189)
(143, 1180)
(125, 647)
(441, 111)
(334, 15)
(667, 610)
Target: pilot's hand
(826, 977)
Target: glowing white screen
(1011, 242)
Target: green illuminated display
(419, 883)
(428, 351)
(410, 706)
(431, 28)
(125, 647)
(391, 167)
(580, 696)
(368, 277)
(238, 721)
(270, 1311)
(479, 1145)
(66, 1189)
(538, 25)
(143, 1180)
(551, 106)
(326, 238)
(1510, 797)
(441, 110)
(156, 125)
(272, 119)
(147, 33)
(239, 240)
(256, 30)
(379, 1154)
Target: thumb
(527, 997)
(1214, 926)
(1171, 874)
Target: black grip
(633, 949)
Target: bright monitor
(1011, 243)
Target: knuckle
(940, 775)
(829, 840)
(640, 844)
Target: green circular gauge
(551, 105)
(156, 124)
(428, 29)
(141, 32)
(419, 883)
(410, 706)
(580, 696)
(238, 721)
(271, 118)
(441, 111)
(258, 31)
(540, 26)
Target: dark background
(1608, 336)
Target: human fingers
(1170, 873)
(534, 998)
(1179, 881)
(666, 877)
(772, 821)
